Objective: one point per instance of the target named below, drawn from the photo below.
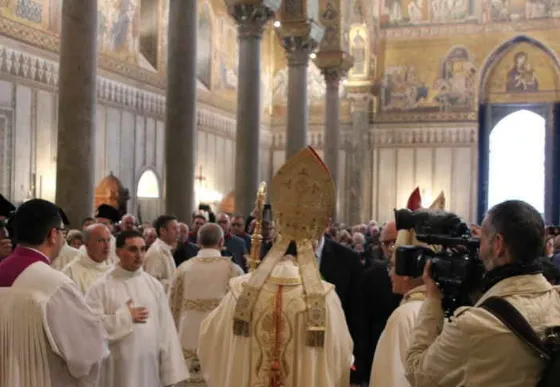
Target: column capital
(334, 65)
(251, 18)
(300, 39)
(360, 101)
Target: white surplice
(67, 254)
(160, 263)
(142, 355)
(198, 286)
(69, 342)
(388, 363)
(84, 271)
(228, 360)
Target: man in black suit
(379, 299)
(341, 267)
(185, 248)
(233, 244)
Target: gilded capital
(252, 15)
(334, 65)
(360, 100)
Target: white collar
(208, 253)
(86, 261)
(320, 246)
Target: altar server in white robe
(388, 363)
(282, 325)
(108, 216)
(93, 263)
(143, 340)
(48, 335)
(198, 286)
(159, 258)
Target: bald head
(223, 220)
(387, 238)
(97, 240)
(128, 222)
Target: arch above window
(148, 185)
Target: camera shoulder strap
(511, 318)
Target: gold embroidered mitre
(439, 203)
(303, 200)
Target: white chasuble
(197, 288)
(84, 271)
(67, 254)
(278, 331)
(145, 354)
(389, 359)
(160, 263)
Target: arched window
(148, 185)
(516, 160)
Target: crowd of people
(118, 303)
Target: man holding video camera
(475, 348)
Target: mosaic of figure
(204, 47)
(456, 85)
(521, 77)
(118, 25)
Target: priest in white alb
(388, 368)
(67, 254)
(197, 288)
(92, 263)
(159, 258)
(282, 326)
(108, 216)
(143, 340)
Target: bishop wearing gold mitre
(282, 326)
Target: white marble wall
(434, 159)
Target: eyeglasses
(388, 243)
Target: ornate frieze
(456, 135)
(50, 42)
(449, 30)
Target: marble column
(180, 126)
(332, 122)
(298, 114)
(76, 109)
(356, 164)
(251, 20)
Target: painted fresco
(525, 73)
(411, 12)
(452, 88)
(204, 46)
(119, 27)
(228, 54)
(514, 10)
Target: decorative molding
(51, 42)
(448, 30)
(411, 116)
(453, 135)
(39, 70)
(315, 136)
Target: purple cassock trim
(20, 259)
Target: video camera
(456, 267)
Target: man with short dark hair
(159, 258)
(475, 348)
(197, 288)
(234, 245)
(238, 229)
(45, 325)
(199, 220)
(145, 349)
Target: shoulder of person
(237, 284)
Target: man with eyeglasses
(235, 246)
(52, 337)
(388, 366)
(379, 299)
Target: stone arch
(498, 53)
(148, 185)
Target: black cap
(6, 208)
(107, 212)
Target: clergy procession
(419, 304)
